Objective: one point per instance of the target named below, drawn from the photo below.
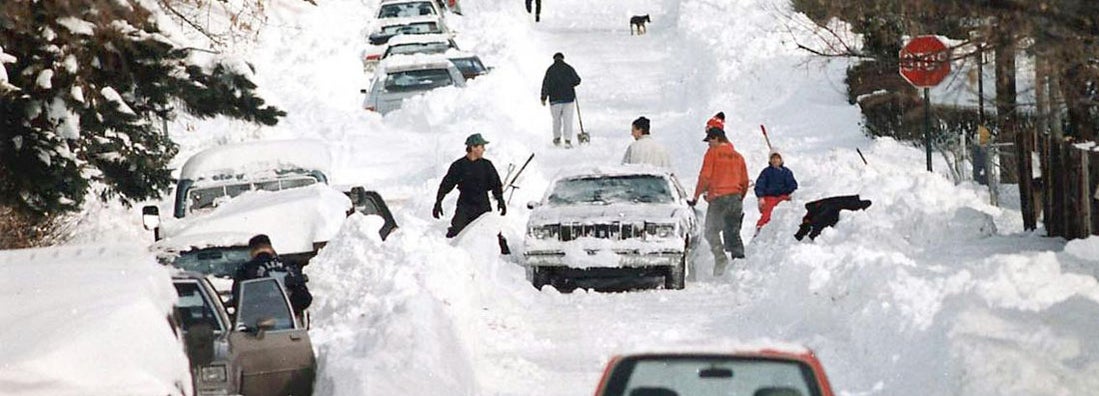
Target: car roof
(399, 63)
(404, 1)
(259, 155)
(419, 38)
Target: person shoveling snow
(474, 176)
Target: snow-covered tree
(92, 82)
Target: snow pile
(88, 320)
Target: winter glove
(692, 202)
(502, 207)
(437, 211)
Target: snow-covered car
(762, 372)
(89, 320)
(391, 27)
(402, 77)
(261, 350)
(407, 8)
(411, 44)
(609, 226)
(227, 194)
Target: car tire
(677, 274)
(539, 277)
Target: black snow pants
(465, 214)
(537, 9)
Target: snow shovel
(582, 137)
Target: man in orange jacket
(724, 180)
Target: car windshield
(611, 189)
(417, 80)
(704, 376)
(412, 28)
(417, 48)
(211, 197)
(195, 307)
(469, 66)
(219, 262)
(401, 10)
(262, 299)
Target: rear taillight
(370, 108)
(373, 57)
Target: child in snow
(774, 185)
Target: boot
(557, 141)
(719, 265)
(568, 144)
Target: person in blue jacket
(774, 184)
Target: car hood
(619, 212)
(294, 219)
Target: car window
(424, 28)
(406, 9)
(417, 48)
(220, 262)
(195, 306)
(262, 299)
(704, 376)
(469, 65)
(611, 189)
(417, 80)
(210, 197)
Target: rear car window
(406, 9)
(716, 375)
(417, 80)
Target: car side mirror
(533, 204)
(362, 90)
(490, 68)
(150, 218)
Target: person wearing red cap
(724, 181)
(717, 121)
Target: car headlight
(662, 231)
(543, 232)
(216, 373)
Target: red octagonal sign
(925, 61)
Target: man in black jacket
(475, 177)
(266, 263)
(559, 87)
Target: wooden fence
(1068, 189)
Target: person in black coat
(475, 177)
(266, 263)
(559, 87)
(824, 213)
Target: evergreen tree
(90, 83)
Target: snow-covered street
(931, 291)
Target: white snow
(45, 79)
(77, 26)
(250, 157)
(112, 96)
(88, 320)
(931, 291)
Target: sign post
(924, 63)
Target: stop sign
(925, 61)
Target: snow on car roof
(294, 219)
(88, 320)
(412, 62)
(720, 347)
(254, 156)
(611, 170)
(402, 1)
(419, 38)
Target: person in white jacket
(644, 149)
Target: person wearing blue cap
(475, 177)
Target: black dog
(638, 22)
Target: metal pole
(927, 125)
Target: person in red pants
(774, 184)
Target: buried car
(230, 193)
(608, 227)
(391, 27)
(759, 372)
(262, 350)
(402, 77)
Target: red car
(764, 372)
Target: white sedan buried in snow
(403, 77)
(611, 227)
(392, 27)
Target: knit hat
(717, 121)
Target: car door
(274, 352)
